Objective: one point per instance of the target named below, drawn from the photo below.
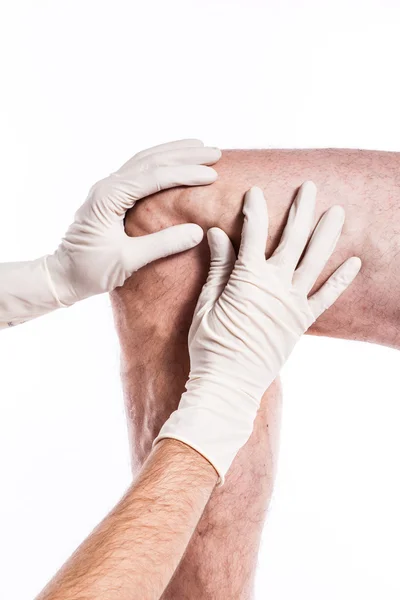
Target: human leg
(365, 183)
(153, 314)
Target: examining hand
(249, 316)
(95, 254)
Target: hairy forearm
(134, 552)
(365, 183)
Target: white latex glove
(250, 314)
(95, 254)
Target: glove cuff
(214, 420)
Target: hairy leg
(365, 183)
(153, 313)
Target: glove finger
(147, 248)
(255, 226)
(320, 249)
(174, 157)
(334, 287)
(223, 258)
(189, 143)
(162, 178)
(126, 191)
(297, 229)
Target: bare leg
(366, 183)
(153, 312)
(154, 308)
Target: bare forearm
(365, 183)
(134, 552)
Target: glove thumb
(222, 261)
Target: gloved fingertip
(215, 236)
(220, 246)
(212, 174)
(201, 175)
(195, 232)
(217, 152)
(255, 190)
(354, 264)
(337, 213)
(309, 187)
(254, 201)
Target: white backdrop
(85, 84)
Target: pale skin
(133, 553)
(153, 312)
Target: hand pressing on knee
(96, 255)
(249, 316)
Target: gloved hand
(95, 254)
(250, 314)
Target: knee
(216, 205)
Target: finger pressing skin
(162, 178)
(174, 145)
(320, 248)
(140, 251)
(255, 226)
(179, 156)
(335, 286)
(223, 258)
(297, 229)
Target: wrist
(216, 421)
(192, 462)
(60, 276)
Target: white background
(85, 84)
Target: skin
(134, 551)
(153, 312)
(220, 559)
